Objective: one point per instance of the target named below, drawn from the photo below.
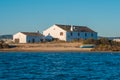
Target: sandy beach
(47, 47)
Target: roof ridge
(32, 33)
(76, 29)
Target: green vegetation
(103, 44)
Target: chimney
(71, 28)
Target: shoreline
(53, 50)
(45, 50)
(49, 47)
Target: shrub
(3, 45)
(90, 41)
(104, 44)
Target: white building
(69, 33)
(27, 37)
(117, 40)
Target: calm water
(59, 66)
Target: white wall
(117, 40)
(20, 36)
(54, 31)
(27, 39)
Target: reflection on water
(59, 66)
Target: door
(17, 40)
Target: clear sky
(103, 16)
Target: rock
(4, 45)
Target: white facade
(20, 37)
(68, 35)
(117, 40)
(55, 31)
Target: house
(69, 32)
(27, 37)
(117, 40)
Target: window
(78, 34)
(17, 40)
(28, 41)
(91, 34)
(41, 40)
(61, 33)
(85, 34)
(33, 40)
(71, 34)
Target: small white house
(27, 37)
(69, 33)
(117, 40)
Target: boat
(87, 46)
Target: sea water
(59, 66)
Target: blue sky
(103, 16)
